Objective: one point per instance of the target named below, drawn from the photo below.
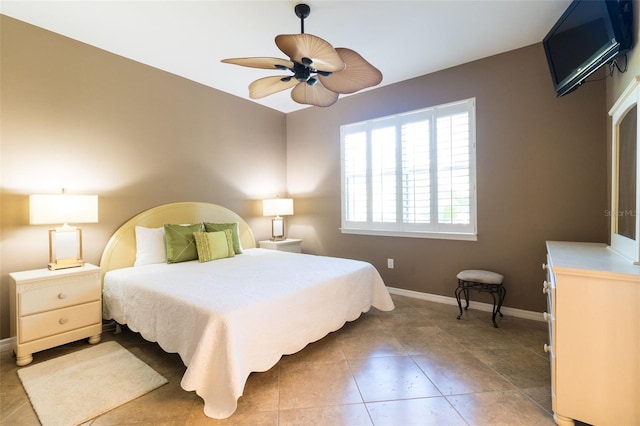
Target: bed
(234, 315)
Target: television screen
(588, 35)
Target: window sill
(433, 235)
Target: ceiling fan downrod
(302, 11)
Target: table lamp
(277, 207)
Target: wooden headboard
(120, 251)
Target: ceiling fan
(320, 72)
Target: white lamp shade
(45, 209)
(277, 207)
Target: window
(411, 174)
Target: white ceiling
(404, 39)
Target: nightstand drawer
(74, 292)
(45, 324)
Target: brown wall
(541, 175)
(77, 117)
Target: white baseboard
(6, 344)
(519, 313)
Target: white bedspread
(229, 317)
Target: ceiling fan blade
(357, 75)
(299, 46)
(264, 63)
(316, 95)
(269, 85)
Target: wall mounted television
(589, 34)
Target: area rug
(77, 387)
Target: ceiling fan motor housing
(302, 72)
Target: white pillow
(150, 246)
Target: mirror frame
(627, 247)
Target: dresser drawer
(45, 324)
(67, 293)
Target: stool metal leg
(459, 290)
(466, 298)
(503, 292)
(495, 310)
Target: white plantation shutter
(355, 170)
(411, 174)
(383, 173)
(454, 200)
(416, 181)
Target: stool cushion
(480, 276)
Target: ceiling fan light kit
(320, 72)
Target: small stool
(480, 280)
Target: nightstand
(51, 308)
(292, 245)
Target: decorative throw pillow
(180, 243)
(213, 227)
(214, 245)
(150, 246)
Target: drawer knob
(547, 348)
(546, 316)
(63, 321)
(544, 266)
(62, 296)
(545, 287)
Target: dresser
(50, 308)
(593, 312)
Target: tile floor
(417, 365)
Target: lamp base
(65, 263)
(65, 248)
(277, 229)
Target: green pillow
(214, 245)
(213, 227)
(180, 243)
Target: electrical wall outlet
(390, 263)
